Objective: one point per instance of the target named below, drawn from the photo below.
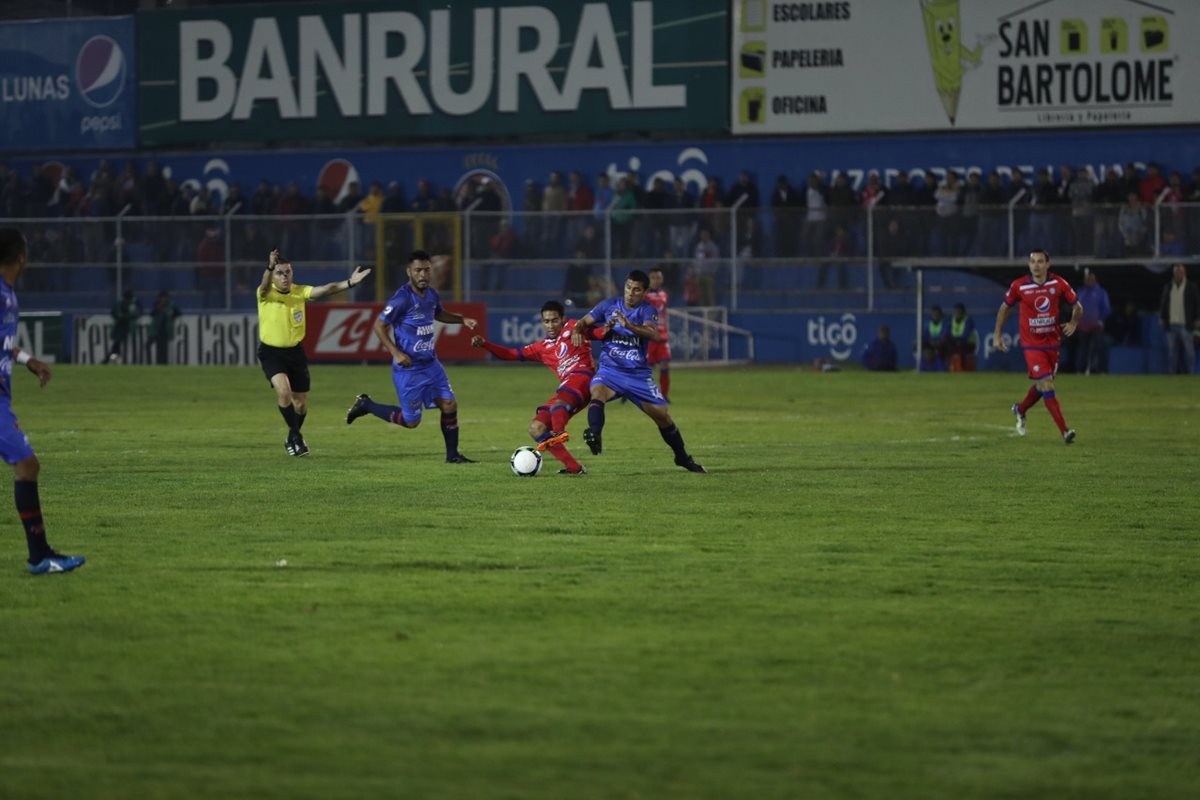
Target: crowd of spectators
(937, 212)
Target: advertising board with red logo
(345, 332)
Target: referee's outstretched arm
(358, 276)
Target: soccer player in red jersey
(659, 352)
(574, 367)
(1039, 294)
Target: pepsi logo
(336, 176)
(1042, 304)
(100, 70)
(561, 350)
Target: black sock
(596, 416)
(392, 414)
(450, 433)
(674, 438)
(300, 419)
(289, 416)
(29, 508)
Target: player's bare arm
(272, 261)
(451, 318)
(581, 329)
(34, 365)
(1001, 317)
(358, 276)
(399, 356)
(1069, 327)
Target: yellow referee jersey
(281, 316)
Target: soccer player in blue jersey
(624, 370)
(14, 445)
(406, 329)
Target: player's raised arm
(1001, 317)
(358, 276)
(381, 330)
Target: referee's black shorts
(291, 361)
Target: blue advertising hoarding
(68, 85)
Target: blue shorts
(418, 386)
(637, 385)
(14, 444)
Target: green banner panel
(372, 70)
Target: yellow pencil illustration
(946, 51)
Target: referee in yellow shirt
(281, 333)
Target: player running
(1039, 295)
(574, 366)
(659, 352)
(419, 377)
(631, 323)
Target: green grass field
(878, 592)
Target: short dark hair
(1043, 251)
(555, 306)
(12, 245)
(640, 277)
(419, 255)
(652, 270)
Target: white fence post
(733, 251)
(119, 244)
(467, 249)
(229, 256)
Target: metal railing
(739, 257)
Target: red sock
(559, 415)
(1055, 411)
(1030, 400)
(564, 455)
(664, 381)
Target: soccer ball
(526, 462)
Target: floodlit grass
(879, 591)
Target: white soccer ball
(526, 462)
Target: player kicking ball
(574, 366)
(624, 371)
(1038, 296)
